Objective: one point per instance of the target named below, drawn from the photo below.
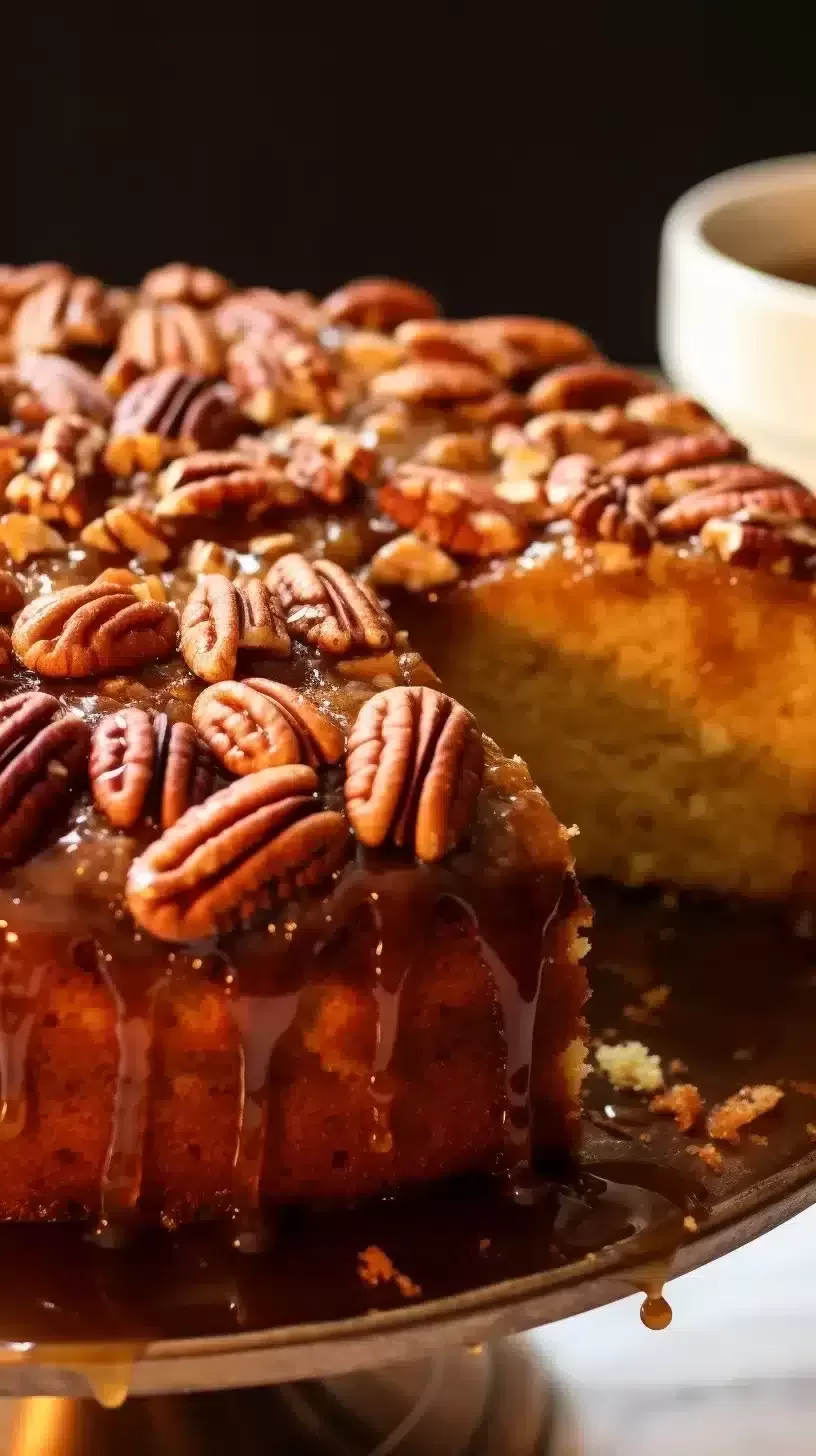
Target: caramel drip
(20, 986)
(261, 1022)
(133, 986)
(655, 1312)
(518, 987)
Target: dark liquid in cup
(795, 270)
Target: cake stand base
(484, 1400)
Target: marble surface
(735, 1371)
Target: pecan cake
(278, 922)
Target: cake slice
(279, 923)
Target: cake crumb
(711, 1156)
(758, 1139)
(630, 1064)
(572, 831)
(644, 1137)
(375, 1267)
(677, 1067)
(808, 1089)
(682, 1101)
(651, 1001)
(484, 1244)
(725, 1121)
(810, 1129)
(690, 1224)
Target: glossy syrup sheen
(741, 983)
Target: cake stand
(338, 1365)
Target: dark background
(519, 160)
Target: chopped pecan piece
(458, 451)
(282, 372)
(222, 617)
(210, 558)
(260, 724)
(455, 510)
(52, 385)
(749, 489)
(212, 481)
(414, 768)
(367, 353)
(128, 530)
(25, 536)
(755, 543)
(329, 609)
(682, 1102)
(146, 767)
(167, 412)
(11, 595)
(63, 314)
(55, 485)
(224, 858)
(15, 451)
(413, 563)
(328, 463)
(725, 1121)
(378, 303)
(84, 631)
(42, 761)
(165, 335)
(587, 386)
(436, 382)
(185, 283)
(679, 414)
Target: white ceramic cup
(740, 340)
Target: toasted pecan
(83, 631)
(211, 481)
(185, 283)
(260, 724)
(140, 764)
(222, 617)
(262, 836)
(329, 609)
(42, 762)
(414, 769)
(378, 303)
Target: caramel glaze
(509, 889)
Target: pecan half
(223, 859)
(128, 530)
(587, 386)
(16, 282)
(378, 303)
(283, 372)
(436, 382)
(262, 310)
(513, 347)
(414, 768)
(146, 767)
(42, 761)
(457, 511)
(222, 617)
(749, 489)
(614, 511)
(63, 314)
(160, 335)
(165, 407)
(83, 631)
(260, 724)
(207, 483)
(53, 385)
(11, 595)
(678, 452)
(328, 609)
(185, 283)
